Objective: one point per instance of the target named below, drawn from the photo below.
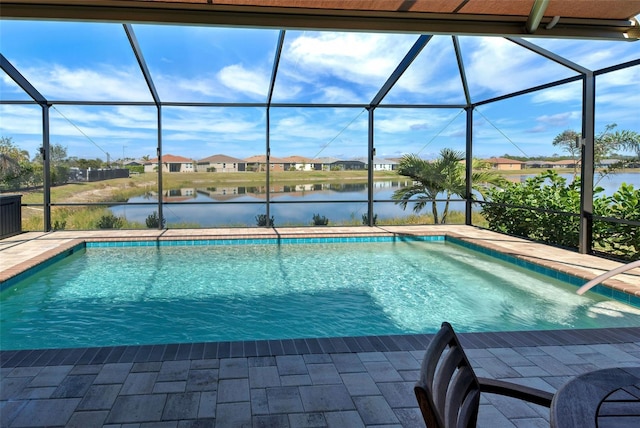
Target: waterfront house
(504, 164)
(298, 163)
(221, 163)
(170, 163)
(259, 162)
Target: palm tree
(624, 139)
(443, 175)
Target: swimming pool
(120, 294)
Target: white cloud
(232, 83)
(86, 131)
(335, 94)
(238, 78)
(291, 122)
(560, 94)
(423, 131)
(554, 123)
(499, 66)
(356, 58)
(618, 97)
(625, 80)
(10, 89)
(101, 83)
(318, 132)
(211, 121)
(134, 117)
(176, 88)
(299, 126)
(20, 120)
(284, 91)
(559, 119)
(537, 129)
(403, 124)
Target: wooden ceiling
(589, 19)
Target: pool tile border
(265, 241)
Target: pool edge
(330, 345)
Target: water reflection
(304, 190)
(332, 191)
(203, 206)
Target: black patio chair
(448, 390)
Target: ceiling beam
(550, 55)
(276, 64)
(133, 40)
(401, 68)
(461, 69)
(206, 13)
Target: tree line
(19, 171)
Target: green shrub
(110, 221)
(617, 239)
(546, 208)
(365, 219)
(263, 220)
(138, 169)
(319, 220)
(153, 221)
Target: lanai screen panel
(21, 134)
(496, 66)
(208, 64)
(213, 156)
(318, 155)
(432, 78)
(419, 132)
(75, 61)
(526, 125)
(617, 99)
(221, 68)
(335, 67)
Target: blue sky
(94, 62)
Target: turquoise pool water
(171, 294)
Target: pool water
(175, 294)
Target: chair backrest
(448, 390)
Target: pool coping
(534, 256)
(307, 346)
